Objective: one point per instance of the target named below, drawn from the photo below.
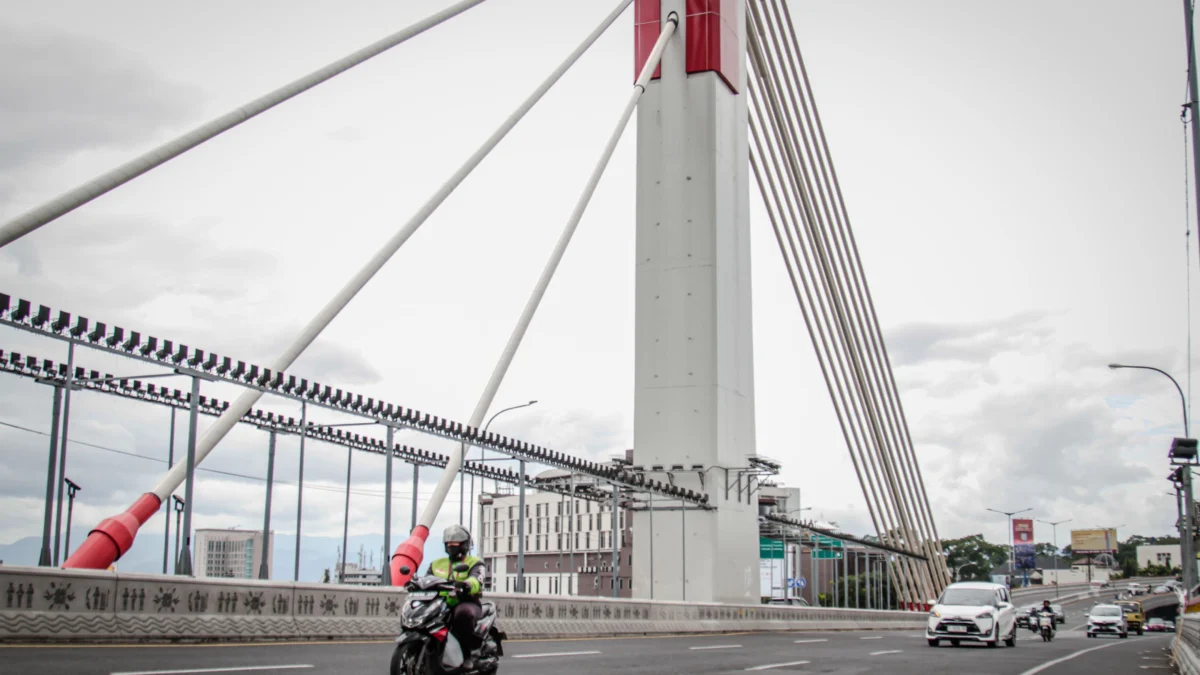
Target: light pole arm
(1178, 388)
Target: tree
(325, 579)
(1046, 551)
(973, 558)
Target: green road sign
(770, 549)
(826, 542)
(827, 554)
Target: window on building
(510, 513)
(560, 508)
(510, 543)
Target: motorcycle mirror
(404, 569)
(462, 567)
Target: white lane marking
(889, 651)
(718, 647)
(804, 642)
(1068, 657)
(538, 656)
(779, 665)
(871, 638)
(234, 669)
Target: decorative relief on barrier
(22, 593)
(350, 607)
(372, 605)
(254, 602)
(166, 599)
(575, 612)
(328, 604)
(58, 596)
(227, 603)
(305, 604)
(280, 604)
(392, 607)
(133, 600)
(197, 602)
(96, 599)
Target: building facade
(568, 544)
(1163, 554)
(232, 554)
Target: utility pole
(1188, 20)
(1055, 527)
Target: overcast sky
(1014, 172)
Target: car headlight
(985, 615)
(935, 614)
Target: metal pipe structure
(114, 536)
(183, 564)
(416, 486)
(45, 559)
(572, 587)
(263, 571)
(616, 543)
(73, 199)
(167, 518)
(386, 575)
(178, 528)
(520, 528)
(650, 508)
(346, 515)
(300, 488)
(683, 550)
(62, 449)
(410, 556)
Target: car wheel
(1124, 635)
(1140, 631)
(1012, 639)
(1091, 635)
(933, 643)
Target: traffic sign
(797, 583)
(826, 542)
(827, 554)
(770, 549)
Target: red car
(1156, 625)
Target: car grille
(1105, 628)
(944, 627)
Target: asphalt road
(845, 652)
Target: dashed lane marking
(549, 654)
(887, 651)
(877, 637)
(231, 669)
(716, 647)
(779, 665)
(804, 642)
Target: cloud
(61, 94)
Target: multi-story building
(557, 531)
(356, 574)
(232, 554)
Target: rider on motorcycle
(468, 585)
(1047, 610)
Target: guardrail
(56, 605)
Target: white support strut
(243, 403)
(73, 199)
(455, 460)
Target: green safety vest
(442, 568)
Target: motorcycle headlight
(417, 613)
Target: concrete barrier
(1187, 644)
(55, 605)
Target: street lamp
(1186, 542)
(1012, 551)
(72, 488)
(1055, 525)
(482, 456)
(179, 506)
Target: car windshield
(1106, 611)
(1156, 621)
(1057, 608)
(971, 597)
(1130, 607)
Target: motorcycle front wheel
(412, 659)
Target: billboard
(1093, 541)
(1023, 550)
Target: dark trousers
(463, 618)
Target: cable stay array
(792, 165)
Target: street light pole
(1012, 551)
(483, 451)
(1187, 543)
(72, 488)
(1055, 528)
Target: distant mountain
(316, 553)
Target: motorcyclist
(1047, 610)
(468, 585)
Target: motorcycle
(427, 647)
(1046, 627)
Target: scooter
(1046, 627)
(427, 647)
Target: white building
(357, 575)
(232, 554)
(1161, 554)
(554, 528)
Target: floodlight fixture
(42, 316)
(135, 339)
(81, 325)
(21, 312)
(166, 350)
(118, 334)
(98, 332)
(226, 364)
(60, 324)
(1183, 451)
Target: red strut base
(113, 536)
(409, 554)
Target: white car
(1107, 620)
(1136, 589)
(973, 612)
